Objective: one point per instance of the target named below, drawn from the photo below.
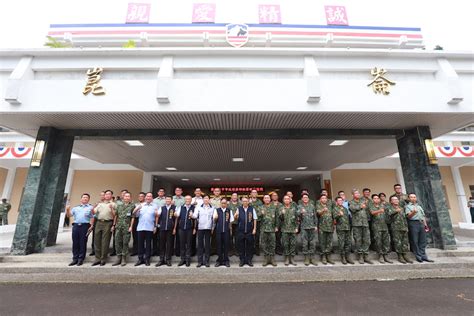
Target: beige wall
(17, 191)
(453, 204)
(3, 178)
(467, 176)
(378, 180)
(93, 182)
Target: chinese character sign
(138, 13)
(336, 15)
(269, 13)
(204, 12)
(380, 84)
(93, 82)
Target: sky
(24, 23)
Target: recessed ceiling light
(185, 179)
(239, 159)
(133, 143)
(256, 179)
(288, 179)
(338, 142)
(301, 168)
(216, 179)
(171, 168)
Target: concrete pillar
(424, 179)
(458, 185)
(9, 181)
(40, 206)
(147, 182)
(67, 190)
(400, 178)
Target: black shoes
(92, 254)
(139, 262)
(428, 260)
(207, 265)
(79, 263)
(250, 263)
(188, 263)
(168, 263)
(181, 263)
(199, 265)
(147, 263)
(241, 264)
(73, 263)
(227, 264)
(102, 263)
(96, 263)
(419, 260)
(159, 264)
(217, 264)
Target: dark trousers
(176, 245)
(204, 245)
(223, 245)
(135, 236)
(185, 239)
(144, 244)
(79, 241)
(233, 240)
(246, 243)
(166, 245)
(472, 214)
(93, 239)
(155, 238)
(417, 239)
(257, 239)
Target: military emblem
(237, 35)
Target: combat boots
(361, 258)
(366, 259)
(287, 260)
(323, 259)
(272, 261)
(312, 260)
(385, 258)
(265, 261)
(118, 261)
(124, 261)
(291, 260)
(343, 259)
(348, 258)
(381, 258)
(306, 260)
(328, 259)
(401, 259)
(405, 256)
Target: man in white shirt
(147, 213)
(205, 223)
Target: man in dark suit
(246, 218)
(166, 219)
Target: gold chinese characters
(380, 84)
(93, 82)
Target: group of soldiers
(5, 207)
(185, 225)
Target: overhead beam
(144, 134)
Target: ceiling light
(133, 143)
(171, 168)
(216, 179)
(256, 179)
(338, 142)
(184, 179)
(237, 159)
(301, 168)
(288, 179)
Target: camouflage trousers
(400, 241)
(362, 239)
(268, 243)
(382, 241)
(308, 236)
(344, 241)
(122, 239)
(289, 243)
(325, 242)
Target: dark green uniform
(289, 225)
(269, 221)
(123, 212)
(4, 209)
(309, 221)
(360, 227)
(403, 198)
(279, 246)
(399, 228)
(380, 229)
(326, 227)
(343, 229)
(256, 204)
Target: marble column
(424, 179)
(42, 200)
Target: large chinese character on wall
(269, 13)
(336, 15)
(204, 12)
(138, 13)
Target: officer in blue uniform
(246, 217)
(83, 223)
(223, 228)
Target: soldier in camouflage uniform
(303, 192)
(122, 228)
(402, 198)
(309, 221)
(269, 221)
(343, 230)
(233, 206)
(256, 203)
(360, 227)
(399, 229)
(326, 229)
(277, 204)
(380, 228)
(289, 228)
